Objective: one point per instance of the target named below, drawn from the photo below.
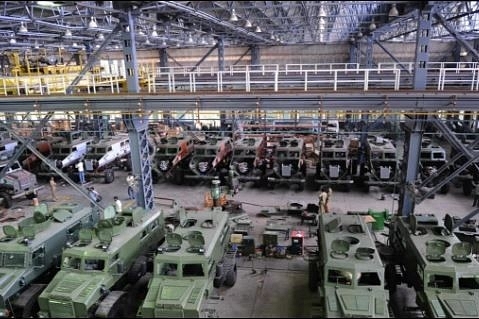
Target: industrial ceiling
(84, 25)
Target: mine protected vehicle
(96, 268)
(31, 251)
(431, 160)
(195, 258)
(431, 259)
(348, 271)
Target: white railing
(248, 78)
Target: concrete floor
(267, 286)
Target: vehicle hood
(9, 278)
(359, 303)
(179, 295)
(80, 288)
(457, 305)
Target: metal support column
(255, 57)
(221, 54)
(409, 170)
(163, 58)
(129, 53)
(424, 26)
(138, 132)
(354, 53)
(369, 51)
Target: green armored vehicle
(349, 271)
(437, 264)
(30, 254)
(96, 269)
(195, 258)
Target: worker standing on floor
(323, 198)
(329, 191)
(475, 194)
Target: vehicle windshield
(168, 269)
(469, 282)
(13, 259)
(340, 277)
(71, 262)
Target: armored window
(14, 260)
(375, 155)
(369, 279)
(200, 151)
(38, 257)
(193, 270)
(110, 148)
(439, 155)
(341, 277)
(168, 269)
(389, 155)
(172, 150)
(71, 262)
(238, 152)
(74, 149)
(250, 152)
(340, 154)
(94, 264)
(468, 283)
(211, 151)
(327, 154)
(440, 281)
(425, 155)
(161, 151)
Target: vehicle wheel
(155, 179)
(137, 271)
(5, 200)
(113, 306)
(444, 189)
(467, 187)
(218, 277)
(178, 177)
(109, 176)
(230, 279)
(391, 278)
(30, 195)
(313, 276)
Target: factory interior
(239, 159)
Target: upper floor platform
(337, 85)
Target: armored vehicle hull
(184, 273)
(33, 248)
(96, 269)
(349, 271)
(248, 156)
(437, 264)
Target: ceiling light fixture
(147, 42)
(68, 33)
(23, 28)
(372, 26)
(190, 39)
(233, 17)
(393, 12)
(92, 24)
(13, 41)
(154, 33)
(61, 46)
(127, 28)
(258, 29)
(75, 45)
(163, 44)
(248, 24)
(203, 41)
(36, 45)
(100, 36)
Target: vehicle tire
(178, 177)
(391, 278)
(5, 200)
(313, 276)
(30, 195)
(444, 189)
(113, 306)
(137, 271)
(467, 187)
(109, 176)
(230, 278)
(218, 277)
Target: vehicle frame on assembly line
(348, 271)
(96, 269)
(382, 163)
(195, 258)
(248, 157)
(335, 165)
(430, 258)
(105, 154)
